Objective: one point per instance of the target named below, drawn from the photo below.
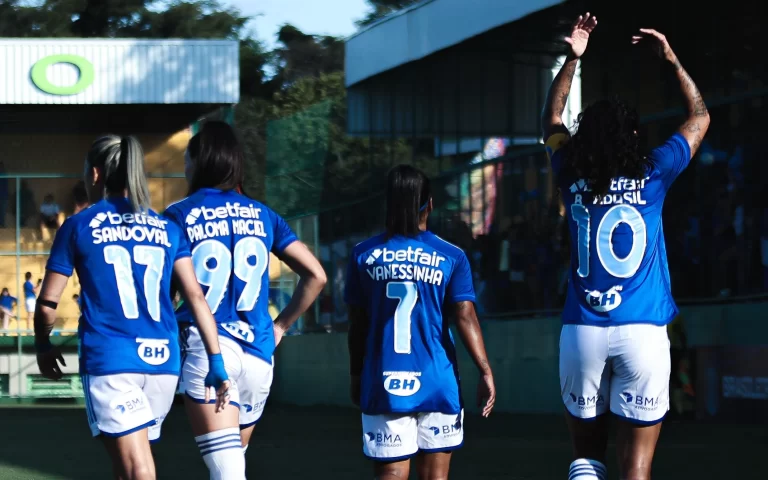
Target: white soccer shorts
(30, 304)
(251, 377)
(124, 403)
(397, 436)
(625, 368)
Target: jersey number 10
(406, 295)
(618, 267)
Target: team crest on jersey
(604, 301)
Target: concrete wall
(313, 369)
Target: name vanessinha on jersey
(127, 227)
(411, 272)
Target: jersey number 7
(406, 295)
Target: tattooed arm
(472, 337)
(695, 126)
(557, 97)
(552, 115)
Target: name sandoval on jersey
(406, 264)
(128, 226)
(216, 221)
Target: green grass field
(319, 443)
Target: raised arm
(557, 97)
(697, 122)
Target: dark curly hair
(605, 146)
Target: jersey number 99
(214, 264)
(617, 267)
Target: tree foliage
(381, 8)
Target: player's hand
(355, 389)
(486, 391)
(48, 363)
(657, 41)
(580, 31)
(279, 332)
(217, 382)
(222, 395)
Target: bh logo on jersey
(604, 302)
(402, 384)
(587, 403)
(640, 402)
(153, 351)
(131, 402)
(240, 330)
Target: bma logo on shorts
(153, 351)
(402, 384)
(255, 407)
(604, 301)
(131, 402)
(447, 430)
(640, 402)
(384, 439)
(587, 403)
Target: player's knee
(636, 472)
(587, 469)
(222, 452)
(392, 471)
(139, 471)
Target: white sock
(245, 449)
(222, 453)
(586, 469)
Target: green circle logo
(40, 74)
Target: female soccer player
(614, 349)
(124, 253)
(402, 357)
(230, 237)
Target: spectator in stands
(6, 307)
(76, 299)
(80, 197)
(49, 213)
(30, 297)
(3, 195)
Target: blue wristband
(217, 373)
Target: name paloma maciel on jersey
(216, 221)
(126, 227)
(406, 264)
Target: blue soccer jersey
(230, 237)
(619, 272)
(410, 358)
(125, 262)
